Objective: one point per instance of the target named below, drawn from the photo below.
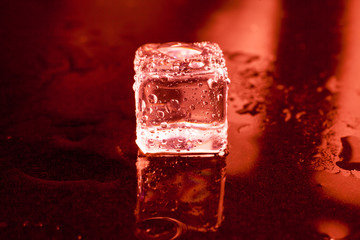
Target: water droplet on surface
(143, 105)
(219, 97)
(179, 52)
(152, 98)
(192, 107)
(176, 68)
(163, 125)
(151, 65)
(196, 64)
(200, 84)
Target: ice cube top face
(180, 93)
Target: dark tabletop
(67, 128)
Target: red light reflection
(247, 26)
(333, 228)
(344, 184)
(250, 27)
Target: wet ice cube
(180, 93)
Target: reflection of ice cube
(188, 189)
(181, 92)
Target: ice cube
(181, 98)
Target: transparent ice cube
(181, 98)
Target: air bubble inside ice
(172, 106)
(152, 98)
(160, 114)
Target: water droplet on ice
(143, 105)
(196, 64)
(152, 98)
(210, 82)
(163, 125)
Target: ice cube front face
(181, 98)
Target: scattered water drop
(299, 115)
(287, 114)
(219, 97)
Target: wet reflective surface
(69, 167)
(188, 189)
